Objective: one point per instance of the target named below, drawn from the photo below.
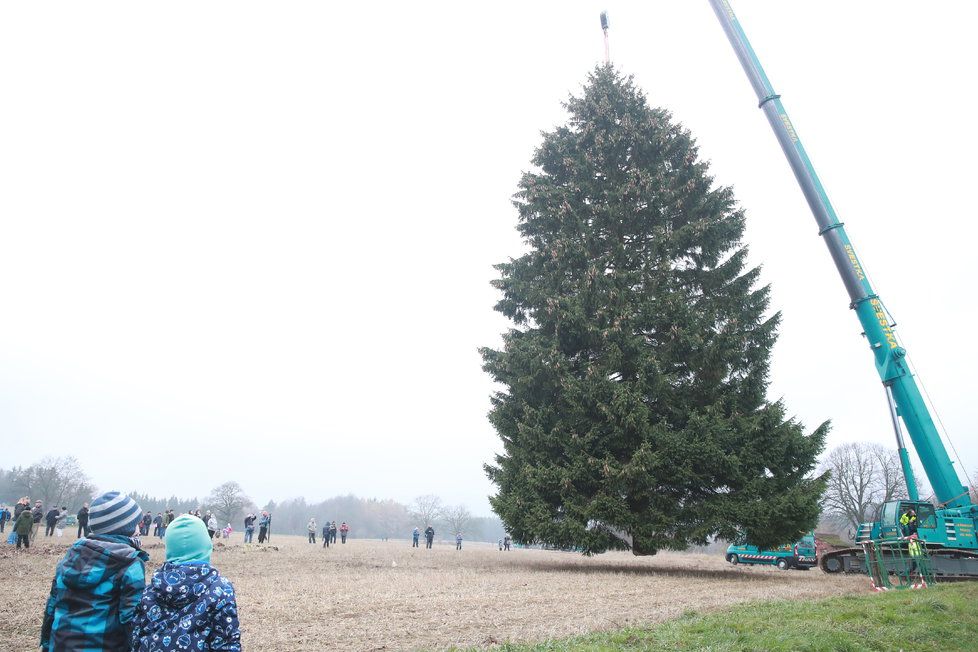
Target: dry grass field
(372, 595)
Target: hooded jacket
(94, 596)
(24, 524)
(187, 607)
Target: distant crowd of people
(329, 531)
(26, 521)
(264, 527)
(429, 537)
(161, 522)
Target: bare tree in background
(457, 517)
(56, 481)
(863, 477)
(227, 502)
(892, 481)
(427, 509)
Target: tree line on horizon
(61, 482)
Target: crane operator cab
(901, 518)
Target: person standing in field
(157, 524)
(326, 533)
(429, 536)
(23, 527)
(249, 527)
(415, 537)
(507, 541)
(458, 540)
(914, 550)
(344, 530)
(311, 529)
(50, 520)
(37, 515)
(7, 518)
(147, 521)
(263, 523)
(188, 605)
(98, 583)
(332, 531)
(211, 524)
(59, 524)
(82, 517)
(167, 519)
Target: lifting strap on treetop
(898, 564)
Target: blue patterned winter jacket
(94, 596)
(187, 608)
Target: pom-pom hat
(114, 513)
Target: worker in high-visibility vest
(908, 522)
(915, 550)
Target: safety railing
(898, 564)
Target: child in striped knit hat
(98, 583)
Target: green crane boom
(906, 402)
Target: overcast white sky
(254, 241)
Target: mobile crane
(948, 529)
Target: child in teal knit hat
(188, 605)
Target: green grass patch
(939, 619)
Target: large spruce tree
(634, 411)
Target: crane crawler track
(949, 564)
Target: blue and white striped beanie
(114, 513)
